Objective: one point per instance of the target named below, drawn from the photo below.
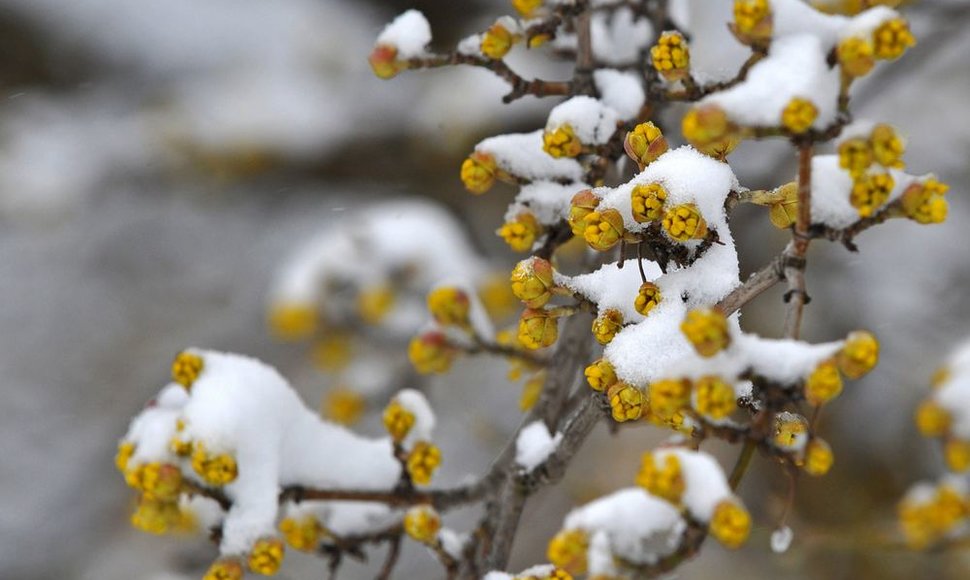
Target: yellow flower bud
(292, 321)
(180, 446)
(791, 431)
(859, 355)
(824, 384)
(397, 420)
(497, 41)
(887, 146)
(478, 172)
(856, 56)
(303, 534)
(626, 402)
(430, 352)
(932, 420)
(752, 22)
(521, 233)
(156, 516)
(668, 396)
(731, 524)
(582, 205)
(647, 201)
(526, 7)
(422, 462)
(496, 296)
(684, 222)
(125, 450)
(799, 115)
(666, 481)
(374, 303)
(604, 229)
(957, 455)
(671, 56)
(215, 470)
(708, 129)
(892, 38)
(537, 329)
(714, 397)
(648, 297)
(707, 330)
(384, 62)
(818, 458)
(227, 569)
(607, 325)
(561, 142)
(870, 192)
(532, 282)
(567, 550)
(855, 156)
(449, 306)
(186, 368)
(332, 352)
(531, 391)
(266, 556)
(924, 202)
(645, 143)
(343, 405)
(422, 523)
(601, 375)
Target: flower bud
(531, 391)
(374, 303)
(887, 146)
(752, 22)
(561, 142)
(684, 222)
(532, 282)
(707, 330)
(856, 56)
(537, 329)
(422, 523)
(818, 458)
(799, 115)
(266, 556)
(668, 396)
(859, 355)
(526, 7)
(225, 569)
(422, 462)
(125, 450)
(384, 62)
(186, 368)
(332, 352)
(567, 550)
(626, 402)
(647, 202)
(924, 202)
(604, 229)
(583, 203)
(824, 384)
(343, 405)
(956, 452)
(155, 516)
(645, 143)
(449, 306)
(303, 534)
(478, 172)
(430, 352)
(607, 325)
(932, 419)
(714, 398)
(870, 192)
(497, 41)
(521, 233)
(665, 481)
(215, 470)
(671, 56)
(892, 38)
(292, 321)
(601, 375)
(648, 297)
(397, 420)
(791, 431)
(730, 524)
(855, 156)
(708, 129)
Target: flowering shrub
(650, 317)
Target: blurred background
(161, 160)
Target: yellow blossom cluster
(561, 141)
(422, 461)
(671, 56)
(927, 519)
(422, 523)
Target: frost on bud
(956, 452)
(302, 534)
(824, 384)
(186, 368)
(932, 420)
(422, 523)
(449, 306)
(526, 7)
(665, 481)
(600, 375)
(707, 330)
(668, 396)
(422, 462)
(532, 282)
(892, 38)
(714, 397)
(791, 431)
(384, 62)
(752, 24)
(521, 233)
(818, 458)
(374, 303)
(561, 142)
(292, 322)
(684, 222)
(730, 524)
(887, 146)
(478, 172)
(855, 156)
(397, 420)
(645, 143)
(567, 550)
(266, 556)
(647, 202)
(856, 56)
(430, 352)
(583, 203)
(799, 115)
(497, 41)
(924, 202)
(708, 129)
(859, 355)
(604, 229)
(227, 569)
(626, 402)
(870, 192)
(215, 470)
(537, 329)
(607, 325)
(671, 56)
(648, 297)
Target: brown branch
(795, 253)
(520, 85)
(757, 283)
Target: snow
(534, 444)
(591, 120)
(705, 485)
(832, 186)
(613, 287)
(521, 155)
(954, 393)
(782, 360)
(621, 91)
(548, 201)
(410, 33)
